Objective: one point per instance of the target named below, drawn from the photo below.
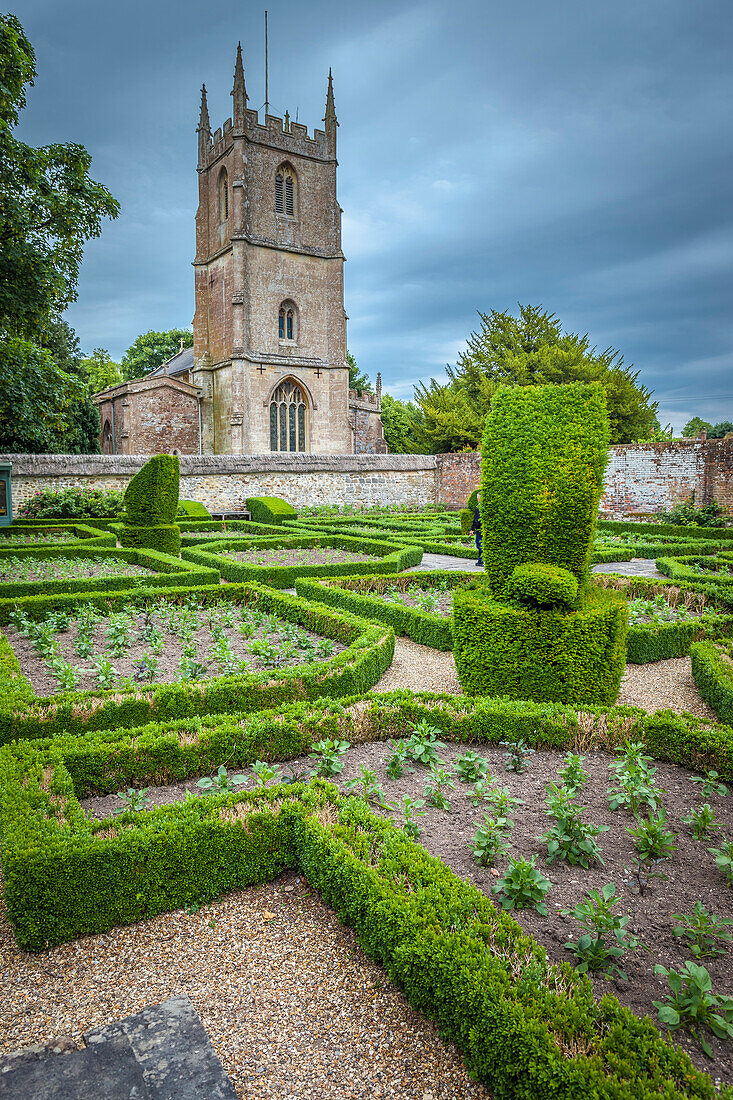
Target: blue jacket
(476, 525)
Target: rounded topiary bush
(543, 585)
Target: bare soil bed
(292, 1006)
(173, 646)
(691, 872)
(300, 555)
(30, 538)
(53, 569)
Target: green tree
(357, 381)
(37, 398)
(101, 371)
(151, 349)
(399, 422)
(81, 436)
(693, 427)
(530, 349)
(719, 430)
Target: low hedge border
(654, 530)
(431, 543)
(698, 569)
(216, 529)
(393, 558)
(368, 654)
(662, 548)
(355, 595)
(269, 509)
(519, 1021)
(712, 671)
(85, 534)
(167, 571)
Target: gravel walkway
(659, 686)
(292, 1006)
(637, 567)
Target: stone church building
(268, 370)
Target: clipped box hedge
(165, 571)
(214, 530)
(269, 509)
(368, 654)
(712, 671)
(391, 558)
(84, 533)
(699, 569)
(430, 541)
(527, 1029)
(656, 530)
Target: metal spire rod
(267, 101)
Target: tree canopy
(101, 372)
(693, 427)
(530, 349)
(357, 380)
(49, 207)
(151, 349)
(718, 431)
(398, 421)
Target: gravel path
(659, 686)
(292, 1006)
(637, 567)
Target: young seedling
(653, 840)
(606, 940)
(635, 785)
(133, 800)
(642, 876)
(327, 755)
(325, 648)
(146, 669)
(68, 677)
(221, 781)
(499, 798)
(572, 774)
(523, 886)
(365, 785)
(424, 747)
(438, 781)
(692, 1004)
(570, 838)
(490, 841)
(517, 755)
(710, 785)
(105, 672)
(396, 763)
(411, 809)
(190, 669)
(265, 773)
(724, 859)
(470, 767)
(702, 931)
(83, 645)
(701, 819)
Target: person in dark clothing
(476, 528)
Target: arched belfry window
(223, 196)
(287, 322)
(285, 191)
(288, 418)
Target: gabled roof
(177, 364)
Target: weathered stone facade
(149, 416)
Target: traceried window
(223, 196)
(287, 322)
(288, 418)
(285, 191)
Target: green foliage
(396, 763)
(133, 801)
(327, 755)
(724, 859)
(712, 671)
(470, 767)
(702, 931)
(694, 426)
(72, 504)
(692, 1004)
(357, 380)
(192, 509)
(686, 514)
(271, 510)
(522, 886)
(721, 429)
(594, 952)
(164, 537)
(710, 784)
(366, 786)
(100, 371)
(701, 820)
(37, 398)
(412, 808)
(517, 755)
(572, 774)
(653, 840)
(466, 516)
(151, 349)
(635, 786)
(399, 424)
(424, 747)
(542, 585)
(437, 783)
(490, 841)
(151, 497)
(222, 781)
(570, 838)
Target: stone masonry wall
(644, 477)
(456, 477)
(223, 482)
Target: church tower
(270, 326)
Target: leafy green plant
(499, 798)
(190, 669)
(606, 940)
(702, 931)
(118, 635)
(396, 763)
(83, 645)
(522, 886)
(517, 754)
(265, 773)
(635, 786)
(570, 838)
(709, 785)
(653, 840)
(365, 784)
(572, 774)
(327, 754)
(470, 767)
(325, 648)
(424, 747)
(438, 781)
(412, 808)
(490, 840)
(724, 859)
(105, 672)
(701, 820)
(133, 800)
(221, 781)
(692, 1004)
(146, 669)
(67, 675)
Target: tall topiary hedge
(538, 632)
(151, 506)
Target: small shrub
(327, 755)
(411, 809)
(635, 785)
(570, 838)
(396, 763)
(365, 785)
(653, 840)
(438, 781)
(517, 755)
(133, 800)
(490, 841)
(572, 774)
(265, 773)
(701, 820)
(522, 886)
(692, 1004)
(702, 931)
(607, 940)
(724, 859)
(470, 767)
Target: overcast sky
(562, 152)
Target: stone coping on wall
(208, 465)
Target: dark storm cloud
(578, 155)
